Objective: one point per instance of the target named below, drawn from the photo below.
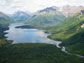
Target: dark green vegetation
(26, 26)
(2, 28)
(71, 33)
(46, 19)
(35, 53)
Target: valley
(47, 36)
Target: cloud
(10, 6)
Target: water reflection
(19, 35)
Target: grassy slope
(71, 34)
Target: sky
(11, 6)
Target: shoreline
(58, 45)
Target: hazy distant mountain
(47, 15)
(49, 10)
(65, 10)
(20, 16)
(70, 10)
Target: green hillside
(46, 19)
(70, 33)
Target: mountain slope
(46, 19)
(49, 10)
(5, 19)
(71, 33)
(66, 10)
(52, 15)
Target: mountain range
(65, 10)
(54, 10)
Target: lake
(20, 35)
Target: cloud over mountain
(9, 6)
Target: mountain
(71, 33)
(47, 16)
(20, 16)
(58, 12)
(65, 10)
(46, 19)
(49, 10)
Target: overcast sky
(10, 6)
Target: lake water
(19, 35)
